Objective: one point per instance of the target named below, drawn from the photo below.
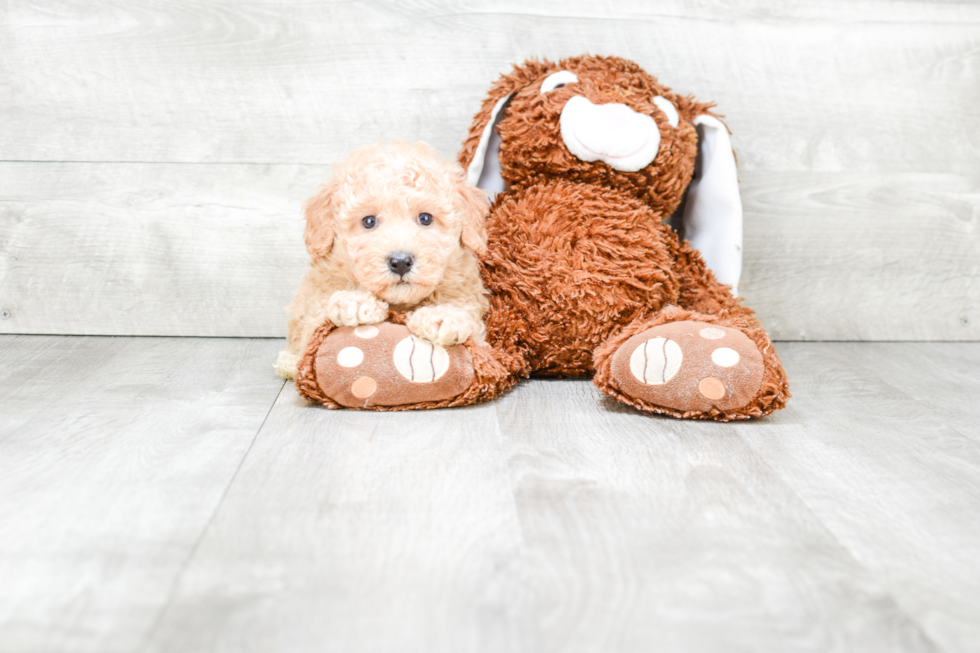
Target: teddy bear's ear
(479, 156)
(320, 213)
(713, 210)
(483, 167)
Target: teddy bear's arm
(700, 291)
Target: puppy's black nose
(400, 263)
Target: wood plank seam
(172, 591)
(805, 506)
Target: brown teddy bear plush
(588, 159)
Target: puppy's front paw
(354, 307)
(442, 325)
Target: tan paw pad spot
(350, 357)
(366, 331)
(711, 388)
(725, 357)
(363, 387)
(419, 360)
(656, 361)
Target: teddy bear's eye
(557, 80)
(370, 222)
(425, 219)
(668, 108)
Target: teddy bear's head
(604, 120)
(594, 119)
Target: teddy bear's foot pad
(385, 365)
(689, 366)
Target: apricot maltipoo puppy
(395, 229)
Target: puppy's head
(396, 215)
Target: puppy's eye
(369, 222)
(557, 80)
(425, 219)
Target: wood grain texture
(212, 250)
(154, 155)
(114, 455)
(644, 533)
(216, 250)
(360, 532)
(825, 86)
(882, 445)
(863, 257)
(550, 520)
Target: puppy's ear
(320, 213)
(471, 207)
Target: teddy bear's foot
(690, 368)
(383, 365)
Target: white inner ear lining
(713, 213)
(475, 170)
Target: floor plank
(348, 531)
(114, 455)
(653, 534)
(882, 445)
(216, 250)
(863, 257)
(818, 86)
(152, 249)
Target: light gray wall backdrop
(154, 155)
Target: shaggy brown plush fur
(579, 258)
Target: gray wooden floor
(171, 494)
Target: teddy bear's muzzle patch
(612, 133)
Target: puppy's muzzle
(400, 263)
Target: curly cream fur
(349, 282)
